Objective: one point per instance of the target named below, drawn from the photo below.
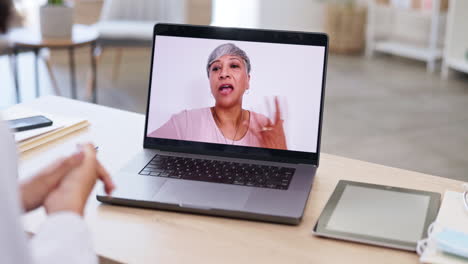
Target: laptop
(233, 124)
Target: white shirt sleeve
(63, 237)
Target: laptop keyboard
(216, 171)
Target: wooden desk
(149, 236)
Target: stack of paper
(452, 215)
(29, 139)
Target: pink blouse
(199, 125)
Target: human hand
(35, 189)
(73, 191)
(271, 135)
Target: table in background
(30, 39)
(133, 235)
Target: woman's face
(228, 80)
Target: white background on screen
(291, 72)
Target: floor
(386, 110)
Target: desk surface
(149, 236)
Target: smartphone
(27, 123)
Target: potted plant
(56, 19)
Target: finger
(89, 151)
(87, 173)
(53, 174)
(277, 110)
(276, 138)
(267, 138)
(258, 124)
(278, 126)
(269, 112)
(87, 145)
(52, 167)
(254, 128)
(261, 127)
(101, 172)
(70, 163)
(104, 176)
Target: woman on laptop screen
(228, 69)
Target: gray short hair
(227, 49)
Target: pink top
(199, 125)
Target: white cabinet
(413, 33)
(456, 41)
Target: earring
(247, 92)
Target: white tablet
(376, 214)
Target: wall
(273, 14)
(196, 11)
(199, 12)
(307, 15)
(240, 13)
(87, 11)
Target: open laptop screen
(238, 93)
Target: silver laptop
(233, 124)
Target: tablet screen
(380, 213)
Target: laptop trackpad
(203, 195)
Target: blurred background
(397, 83)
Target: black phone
(27, 123)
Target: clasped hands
(66, 184)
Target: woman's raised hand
(271, 134)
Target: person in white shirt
(63, 189)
